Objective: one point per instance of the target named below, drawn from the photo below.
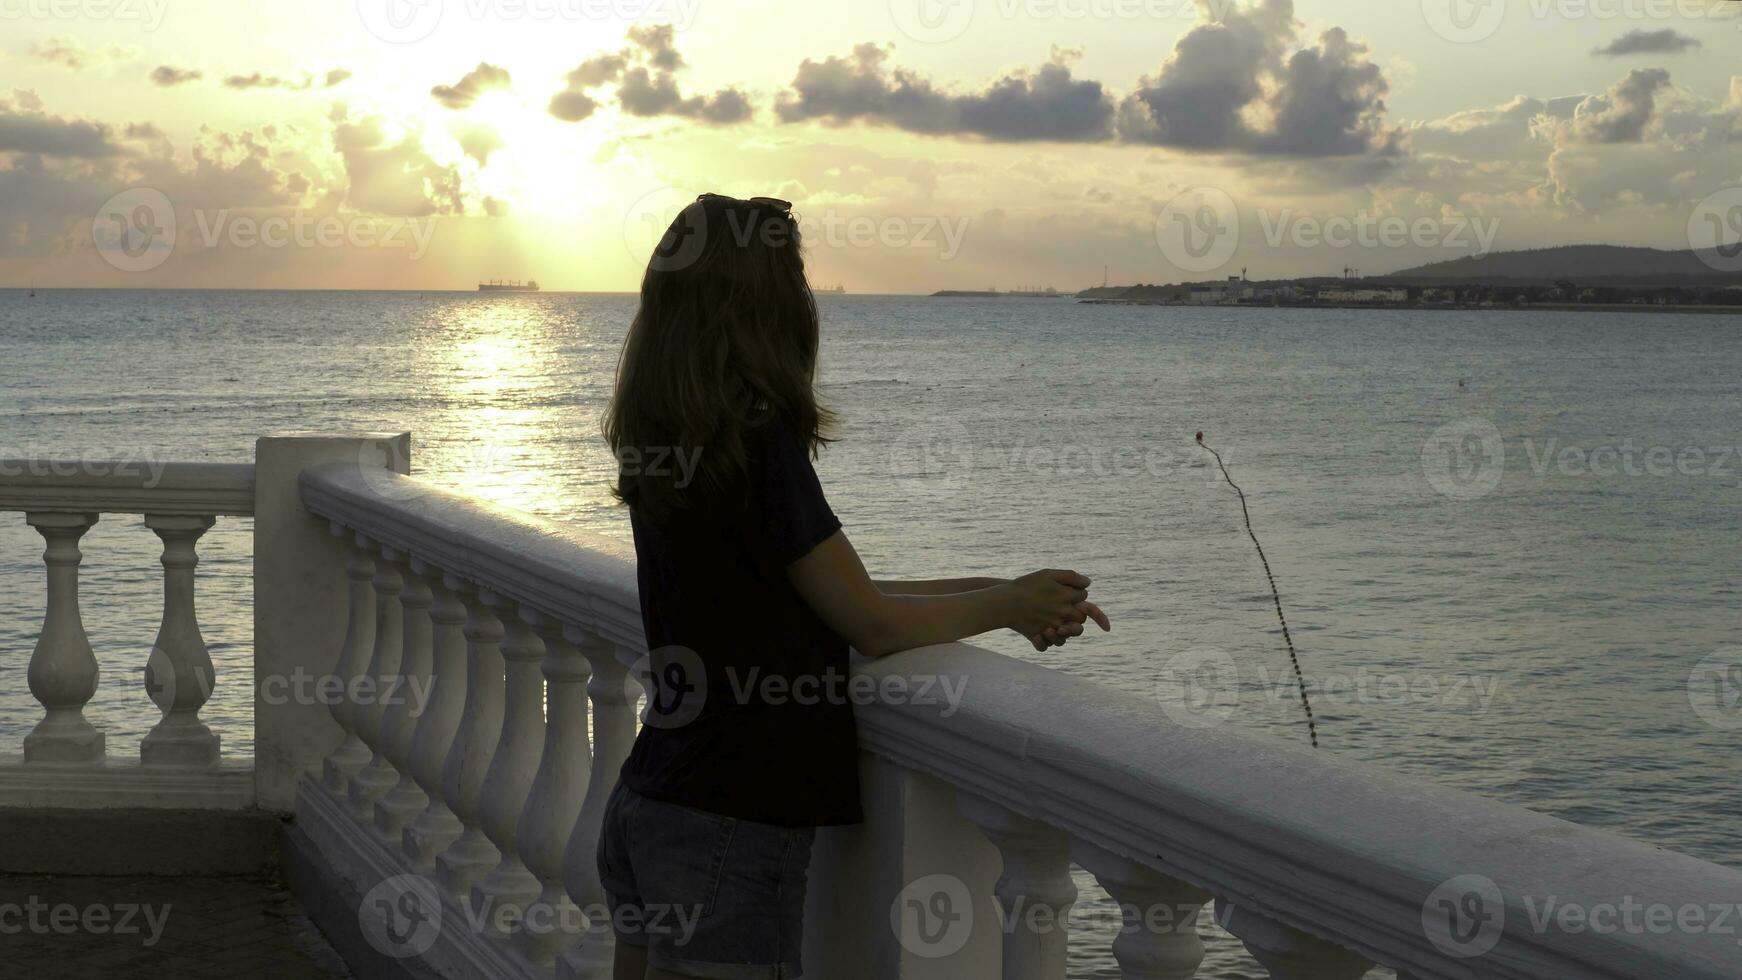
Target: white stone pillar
(351, 754)
(553, 922)
(1035, 889)
(299, 607)
(178, 674)
(378, 776)
(437, 827)
(405, 694)
(63, 670)
(1288, 953)
(1159, 940)
(502, 895)
(613, 695)
(471, 854)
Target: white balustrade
(612, 694)
(378, 776)
(1035, 889)
(471, 854)
(352, 755)
(553, 922)
(405, 694)
(437, 827)
(502, 895)
(63, 669)
(1159, 935)
(179, 675)
(1288, 953)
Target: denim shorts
(707, 895)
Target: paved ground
(66, 928)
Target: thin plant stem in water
(1275, 594)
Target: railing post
(405, 693)
(63, 670)
(378, 776)
(351, 755)
(552, 923)
(178, 675)
(1159, 940)
(501, 896)
(1035, 889)
(437, 827)
(612, 692)
(1288, 953)
(299, 606)
(471, 854)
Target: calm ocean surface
(1532, 642)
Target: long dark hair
(725, 340)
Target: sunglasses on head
(784, 207)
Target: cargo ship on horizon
(508, 286)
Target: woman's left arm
(938, 586)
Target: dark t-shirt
(749, 714)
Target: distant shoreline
(1437, 307)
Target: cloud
(480, 80)
(393, 177)
(63, 51)
(258, 80)
(1625, 115)
(1046, 104)
(1666, 41)
(646, 77)
(24, 128)
(478, 141)
(169, 76)
(1238, 83)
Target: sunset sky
(926, 144)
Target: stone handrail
(127, 487)
(1323, 867)
(1332, 848)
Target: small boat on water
(508, 286)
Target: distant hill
(1583, 264)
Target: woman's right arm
(833, 581)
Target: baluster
(1286, 952)
(378, 776)
(1159, 940)
(612, 693)
(63, 670)
(471, 854)
(552, 922)
(351, 755)
(1035, 891)
(404, 696)
(437, 827)
(178, 674)
(502, 895)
